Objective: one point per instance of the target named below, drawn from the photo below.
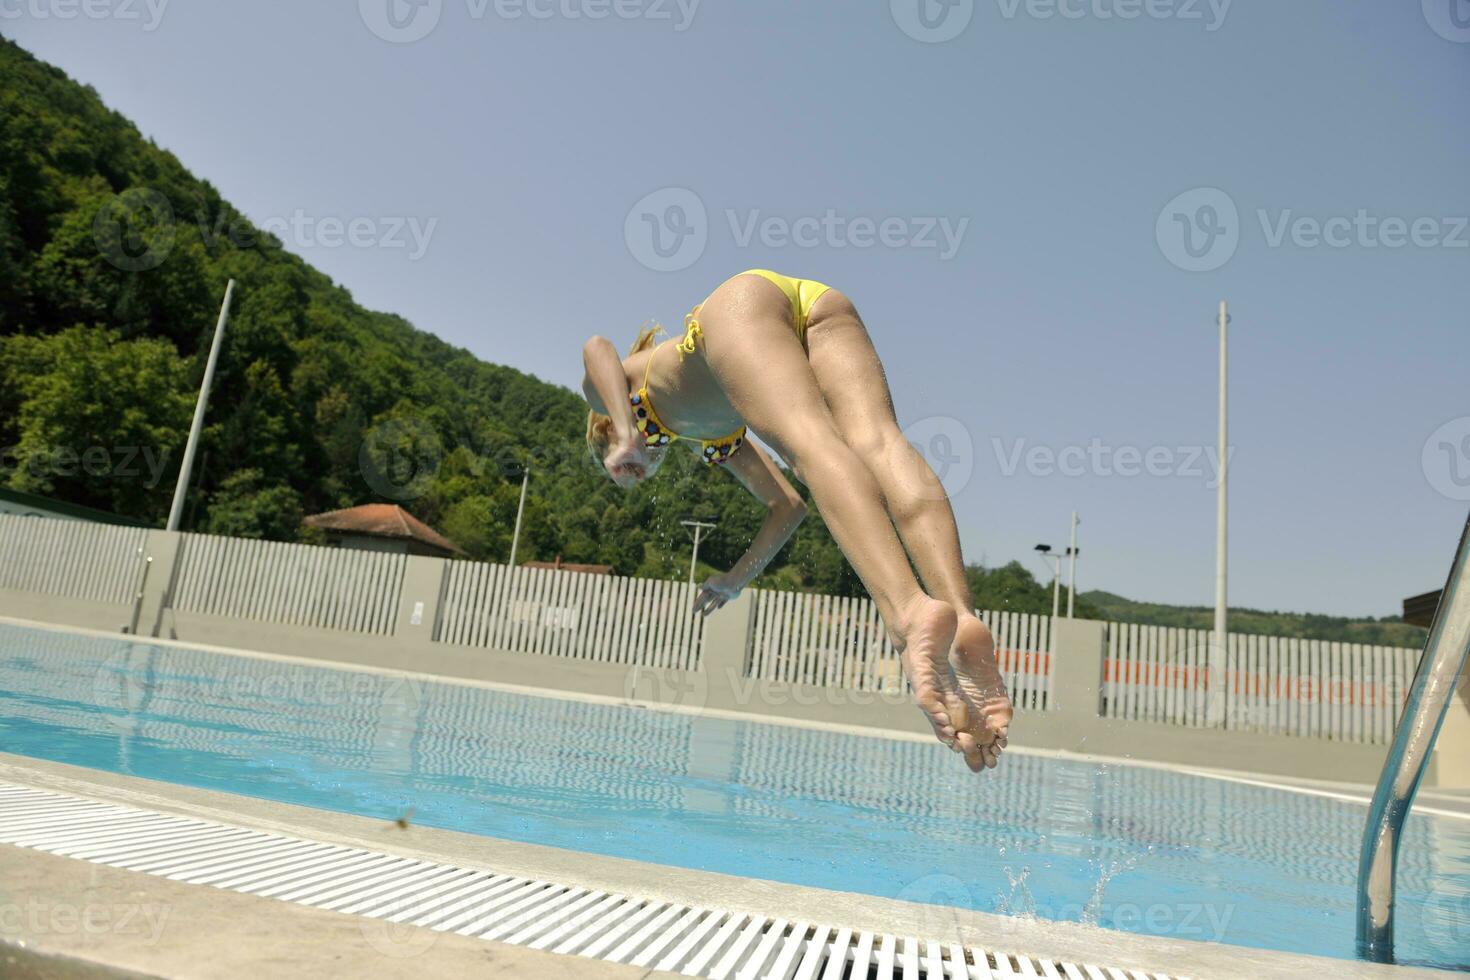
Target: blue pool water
(1122, 847)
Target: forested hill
(113, 261)
(1388, 631)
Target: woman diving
(791, 359)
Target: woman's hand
(716, 591)
(628, 460)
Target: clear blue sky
(1060, 321)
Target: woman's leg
(855, 388)
(763, 370)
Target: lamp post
(1056, 579)
(1072, 573)
(699, 527)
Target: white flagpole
(176, 513)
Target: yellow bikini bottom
(802, 293)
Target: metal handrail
(1429, 699)
(132, 626)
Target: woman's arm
(785, 509)
(606, 386)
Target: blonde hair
(599, 426)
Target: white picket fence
(835, 641)
(601, 618)
(293, 584)
(78, 559)
(1282, 685)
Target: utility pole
(181, 490)
(1217, 652)
(1072, 574)
(515, 538)
(699, 528)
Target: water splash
(1019, 902)
(1092, 912)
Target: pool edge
(1052, 940)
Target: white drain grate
(543, 915)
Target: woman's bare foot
(923, 634)
(984, 721)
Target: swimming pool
(1131, 848)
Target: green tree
(246, 506)
(474, 524)
(97, 420)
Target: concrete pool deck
(153, 927)
(210, 932)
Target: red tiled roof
(382, 521)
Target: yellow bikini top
(655, 433)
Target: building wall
(365, 542)
(29, 510)
(390, 546)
